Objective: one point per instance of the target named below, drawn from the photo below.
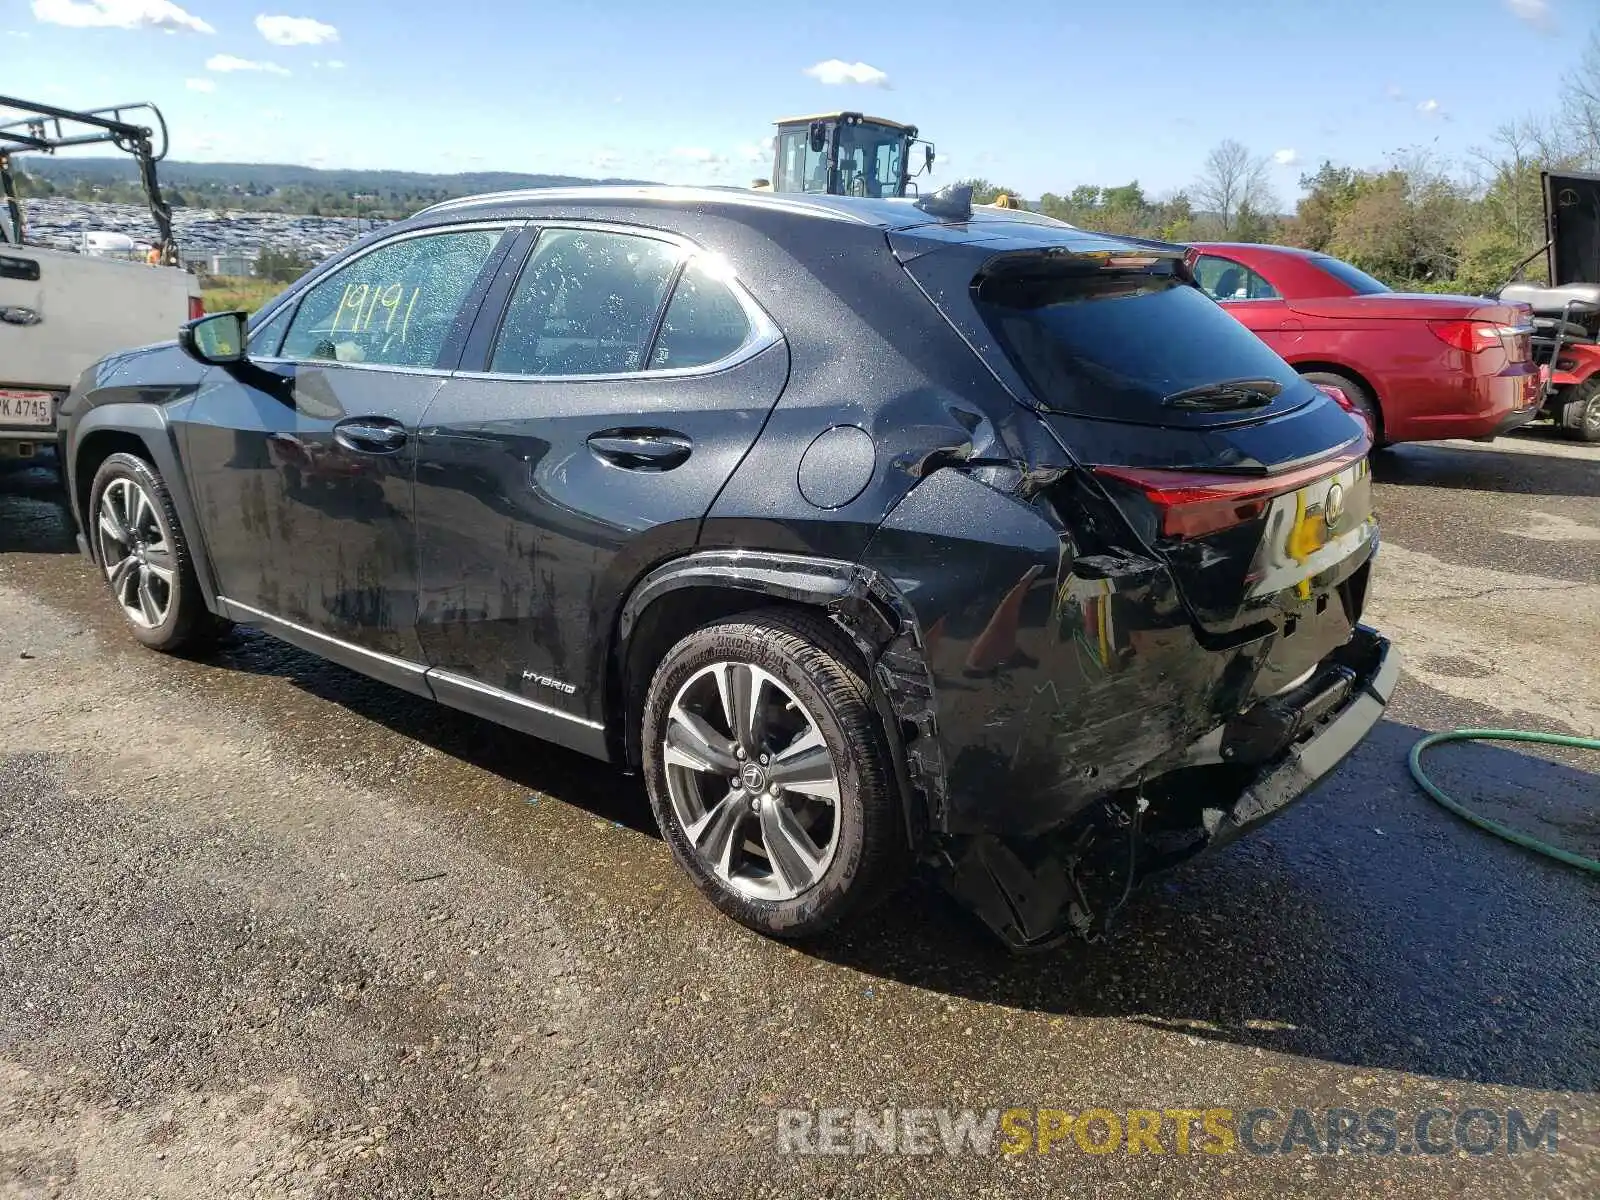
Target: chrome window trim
(472, 685)
(764, 331)
(329, 363)
(293, 298)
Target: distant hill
(277, 187)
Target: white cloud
(698, 154)
(200, 85)
(605, 162)
(295, 31)
(837, 71)
(332, 64)
(1285, 158)
(1394, 92)
(756, 152)
(1534, 12)
(1429, 108)
(119, 14)
(18, 33)
(227, 62)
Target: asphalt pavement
(268, 928)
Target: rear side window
(704, 323)
(1115, 344)
(1352, 277)
(585, 304)
(393, 306)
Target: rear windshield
(1114, 344)
(1351, 277)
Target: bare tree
(1232, 179)
(1580, 103)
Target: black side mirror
(927, 158)
(819, 137)
(217, 340)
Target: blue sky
(1040, 96)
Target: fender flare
(871, 611)
(149, 424)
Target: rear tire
(1580, 416)
(770, 775)
(1359, 396)
(142, 549)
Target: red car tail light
(1193, 504)
(1470, 337)
(197, 308)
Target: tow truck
(62, 310)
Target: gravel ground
(267, 928)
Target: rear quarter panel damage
(1061, 670)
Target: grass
(224, 294)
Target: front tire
(1580, 416)
(769, 773)
(142, 550)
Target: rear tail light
(197, 308)
(1473, 337)
(1192, 503)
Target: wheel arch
(1308, 365)
(687, 593)
(143, 431)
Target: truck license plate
(27, 408)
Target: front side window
(869, 160)
(586, 303)
(1224, 279)
(267, 336)
(705, 322)
(393, 306)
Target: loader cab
(847, 154)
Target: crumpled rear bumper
(1376, 667)
(1036, 892)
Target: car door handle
(370, 435)
(641, 449)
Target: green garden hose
(1501, 735)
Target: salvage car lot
(267, 927)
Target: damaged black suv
(868, 531)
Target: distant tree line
(1419, 222)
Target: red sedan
(1421, 366)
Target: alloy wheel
(752, 781)
(136, 550)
